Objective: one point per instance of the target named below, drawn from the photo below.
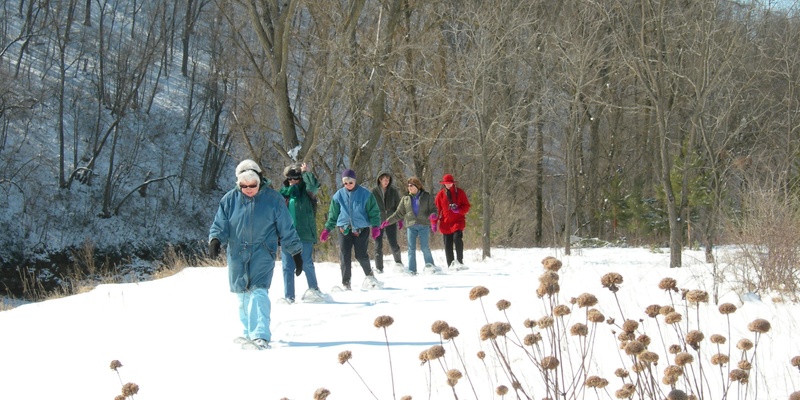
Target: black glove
(213, 248)
(298, 264)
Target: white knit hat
(248, 165)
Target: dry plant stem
(507, 367)
(362, 380)
(619, 306)
(391, 369)
(464, 367)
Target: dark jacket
(405, 210)
(388, 200)
(301, 205)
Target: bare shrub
(768, 234)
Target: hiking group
(253, 220)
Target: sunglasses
(249, 186)
(411, 184)
(292, 178)
(349, 182)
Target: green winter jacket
(301, 206)
(405, 210)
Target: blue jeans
(308, 269)
(423, 233)
(254, 309)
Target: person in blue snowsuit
(252, 220)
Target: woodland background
(635, 122)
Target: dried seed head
(611, 278)
(684, 358)
(423, 357)
(745, 365)
(501, 328)
(665, 310)
(621, 373)
(644, 339)
(383, 321)
(115, 364)
(673, 370)
(595, 381)
(677, 394)
(652, 310)
(548, 278)
(738, 375)
(669, 380)
(717, 339)
(449, 333)
(638, 367)
(697, 296)
(545, 322)
(626, 391)
(630, 325)
(551, 263)
(561, 310)
(478, 292)
(501, 390)
(625, 336)
(481, 355)
(119, 397)
(516, 385)
(668, 284)
(547, 289)
(130, 389)
(727, 308)
(454, 374)
(595, 316)
(345, 356)
(579, 329)
(794, 396)
(439, 326)
(674, 349)
(649, 357)
(503, 305)
(529, 323)
(435, 352)
(321, 394)
(673, 318)
(694, 337)
(796, 361)
(406, 397)
(759, 326)
(486, 332)
(633, 348)
(587, 300)
(744, 344)
(720, 359)
(550, 362)
(452, 382)
(532, 338)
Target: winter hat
(293, 171)
(248, 165)
(447, 178)
(416, 182)
(349, 173)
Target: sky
(174, 336)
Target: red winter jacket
(449, 221)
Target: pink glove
(455, 210)
(400, 224)
(325, 235)
(384, 224)
(434, 221)
(376, 231)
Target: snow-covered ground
(174, 336)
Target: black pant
(391, 235)
(358, 240)
(449, 240)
